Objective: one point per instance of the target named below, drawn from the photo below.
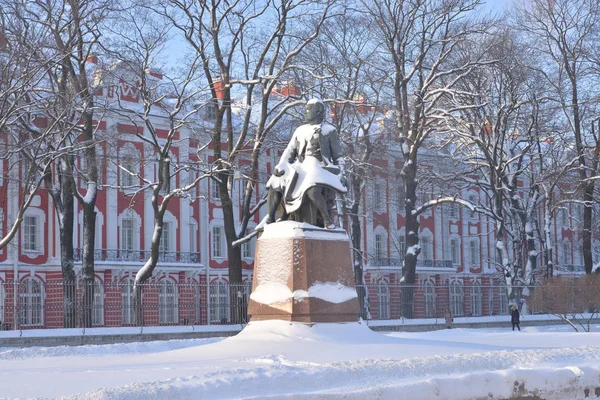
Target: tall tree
(420, 39)
(565, 33)
(74, 31)
(246, 48)
(170, 102)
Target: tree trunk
(67, 259)
(234, 253)
(146, 271)
(548, 247)
(588, 198)
(87, 264)
(409, 269)
(356, 237)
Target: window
(378, 197)
(30, 303)
(164, 245)
(474, 253)
(401, 245)
(453, 210)
(127, 239)
(475, 299)
(127, 309)
(454, 251)
(219, 302)
(503, 301)
(167, 302)
(127, 179)
(248, 248)
(379, 247)
(424, 198)
(193, 241)
(214, 190)
(566, 253)
(30, 234)
(564, 218)
(473, 201)
(457, 297)
(211, 112)
(127, 234)
(217, 242)
(98, 304)
(429, 293)
(400, 195)
(426, 253)
(383, 297)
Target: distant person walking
(514, 317)
(449, 318)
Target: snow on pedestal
(303, 273)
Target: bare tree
(22, 76)
(169, 105)
(246, 47)
(74, 30)
(575, 301)
(565, 34)
(420, 40)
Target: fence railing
(35, 304)
(140, 255)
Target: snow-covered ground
(275, 359)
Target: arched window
(219, 302)
(127, 315)
(457, 298)
(429, 293)
(98, 304)
(167, 302)
(383, 297)
(503, 302)
(30, 303)
(475, 299)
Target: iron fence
(140, 255)
(36, 304)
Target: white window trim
(383, 300)
(457, 308)
(137, 223)
(457, 239)
(164, 317)
(170, 219)
(379, 206)
(98, 309)
(222, 239)
(249, 245)
(218, 310)
(40, 248)
(127, 312)
(474, 257)
(129, 151)
(29, 295)
(473, 198)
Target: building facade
(190, 284)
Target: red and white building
(190, 281)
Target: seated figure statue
(310, 172)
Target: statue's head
(314, 113)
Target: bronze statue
(310, 172)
